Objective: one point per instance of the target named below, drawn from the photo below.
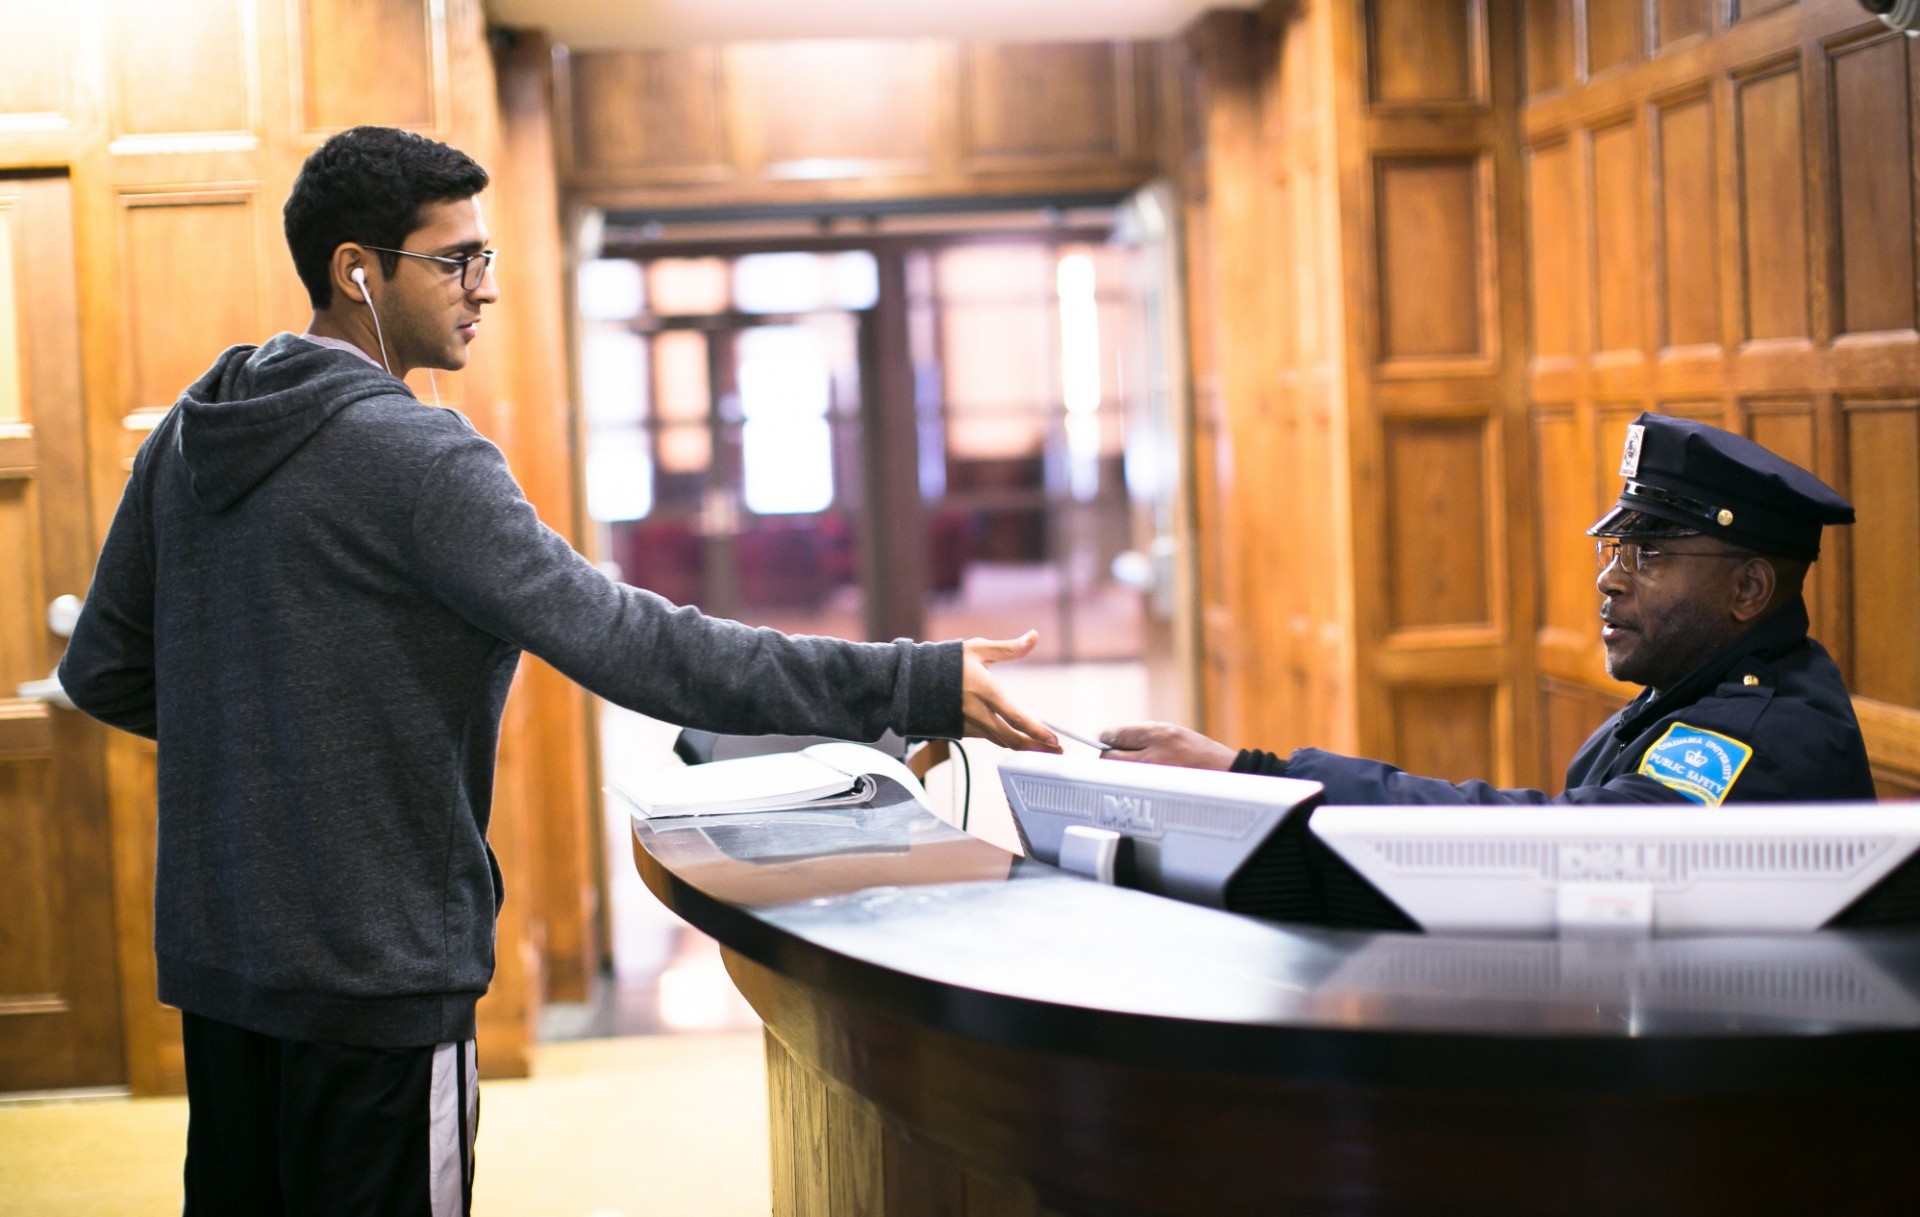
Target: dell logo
(1640, 863)
(1127, 813)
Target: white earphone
(359, 275)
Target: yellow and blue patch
(1702, 765)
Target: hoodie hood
(257, 406)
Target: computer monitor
(1679, 869)
(1235, 841)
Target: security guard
(1702, 561)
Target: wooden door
(1159, 454)
(59, 996)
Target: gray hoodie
(313, 595)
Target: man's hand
(988, 713)
(1166, 744)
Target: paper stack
(826, 775)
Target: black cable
(966, 800)
(966, 767)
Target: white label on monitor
(1626, 907)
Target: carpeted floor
(661, 1126)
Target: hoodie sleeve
(108, 667)
(484, 553)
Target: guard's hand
(986, 709)
(1166, 744)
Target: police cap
(1686, 478)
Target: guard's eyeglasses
(473, 267)
(1634, 556)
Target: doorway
(60, 1024)
(723, 403)
(948, 402)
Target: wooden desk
(954, 1030)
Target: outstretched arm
(1166, 744)
(1351, 779)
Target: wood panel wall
(1213, 82)
(180, 128)
(1360, 591)
(1464, 244)
(797, 122)
(1720, 223)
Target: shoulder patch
(1702, 765)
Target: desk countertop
(890, 907)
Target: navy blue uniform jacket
(1767, 718)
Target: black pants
(278, 1128)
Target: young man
(1706, 552)
(314, 595)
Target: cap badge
(1724, 518)
(1630, 455)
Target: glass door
(723, 402)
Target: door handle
(62, 615)
(48, 690)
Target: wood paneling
(156, 1055)
(837, 1153)
(1439, 562)
(28, 968)
(1569, 714)
(1773, 203)
(1430, 257)
(59, 1005)
(1874, 186)
(1619, 258)
(844, 120)
(371, 61)
(1791, 427)
(1564, 500)
(653, 114)
(1549, 45)
(162, 57)
(1553, 246)
(1779, 197)
(1446, 733)
(1423, 50)
(1613, 33)
(1678, 20)
(1742, 10)
(1025, 104)
(1220, 87)
(173, 242)
(1698, 213)
(23, 649)
(813, 127)
(12, 369)
(1382, 189)
(563, 867)
(1883, 460)
(36, 69)
(1687, 232)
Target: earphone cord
(382, 338)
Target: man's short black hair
(367, 186)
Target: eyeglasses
(1634, 556)
(473, 267)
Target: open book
(825, 775)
